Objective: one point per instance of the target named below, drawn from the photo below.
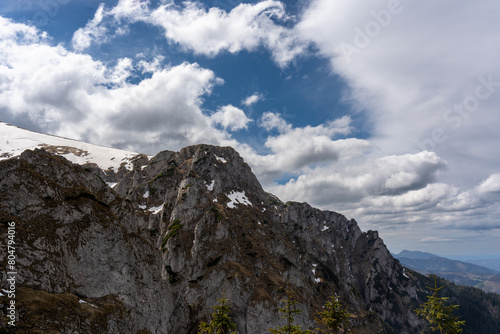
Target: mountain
(14, 141)
(459, 272)
(492, 284)
(149, 245)
(414, 255)
(488, 263)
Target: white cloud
(121, 72)
(270, 121)
(204, 31)
(72, 95)
(436, 239)
(231, 118)
(297, 150)
(129, 10)
(93, 31)
(421, 87)
(150, 66)
(109, 23)
(490, 186)
(365, 183)
(252, 99)
(246, 27)
(10, 30)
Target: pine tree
(333, 318)
(440, 316)
(221, 321)
(289, 311)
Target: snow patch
(129, 165)
(325, 228)
(316, 279)
(156, 209)
(221, 159)
(210, 186)
(146, 194)
(111, 184)
(404, 273)
(84, 302)
(238, 197)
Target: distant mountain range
(459, 272)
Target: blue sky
(385, 111)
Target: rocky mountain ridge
(149, 249)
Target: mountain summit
(149, 246)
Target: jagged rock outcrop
(154, 252)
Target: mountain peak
(415, 255)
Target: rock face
(153, 253)
(74, 235)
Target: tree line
(334, 319)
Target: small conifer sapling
(221, 322)
(333, 319)
(438, 315)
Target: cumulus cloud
(231, 118)
(20, 32)
(297, 150)
(491, 185)
(270, 121)
(204, 31)
(246, 27)
(151, 66)
(72, 95)
(377, 181)
(299, 147)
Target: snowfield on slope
(14, 141)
